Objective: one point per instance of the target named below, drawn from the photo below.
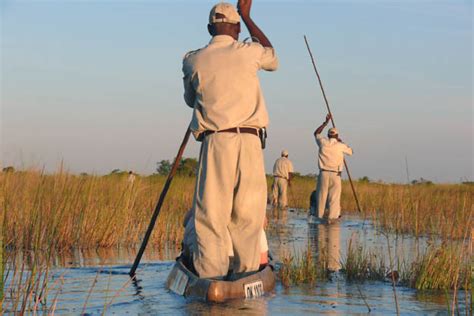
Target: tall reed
(441, 209)
(303, 268)
(27, 284)
(423, 209)
(362, 264)
(65, 211)
(2, 232)
(439, 267)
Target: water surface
(98, 281)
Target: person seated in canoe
(229, 118)
(189, 242)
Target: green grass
(361, 264)
(445, 266)
(442, 267)
(303, 269)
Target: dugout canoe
(183, 282)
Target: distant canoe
(183, 282)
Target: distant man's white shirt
(235, 99)
(282, 168)
(331, 153)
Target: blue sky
(98, 83)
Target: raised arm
(320, 128)
(257, 35)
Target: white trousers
(230, 200)
(280, 188)
(328, 191)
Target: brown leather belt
(338, 172)
(245, 130)
(280, 177)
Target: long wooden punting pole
(160, 203)
(332, 120)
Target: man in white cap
(331, 163)
(282, 173)
(221, 85)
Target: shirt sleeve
(319, 139)
(290, 166)
(347, 150)
(268, 59)
(189, 92)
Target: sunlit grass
(60, 212)
(440, 209)
(27, 283)
(445, 266)
(64, 211)
(303, 268)
(362, 264)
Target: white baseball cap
(227, 10)
(333, 131)
(284, 152)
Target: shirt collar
(222, 39)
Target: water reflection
(136, 283)
(107, 281)
(253, 307)
(79, 258)
(279, 215)
(325, 239)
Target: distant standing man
(282, 174)
(221, 85)
(131, 177)
(331, 163)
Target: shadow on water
(100, 279)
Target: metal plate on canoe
(178, 285)
(254, 289)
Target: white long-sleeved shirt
(221, 84)
(331, 153)
(282, 168)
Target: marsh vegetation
(50, 214)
